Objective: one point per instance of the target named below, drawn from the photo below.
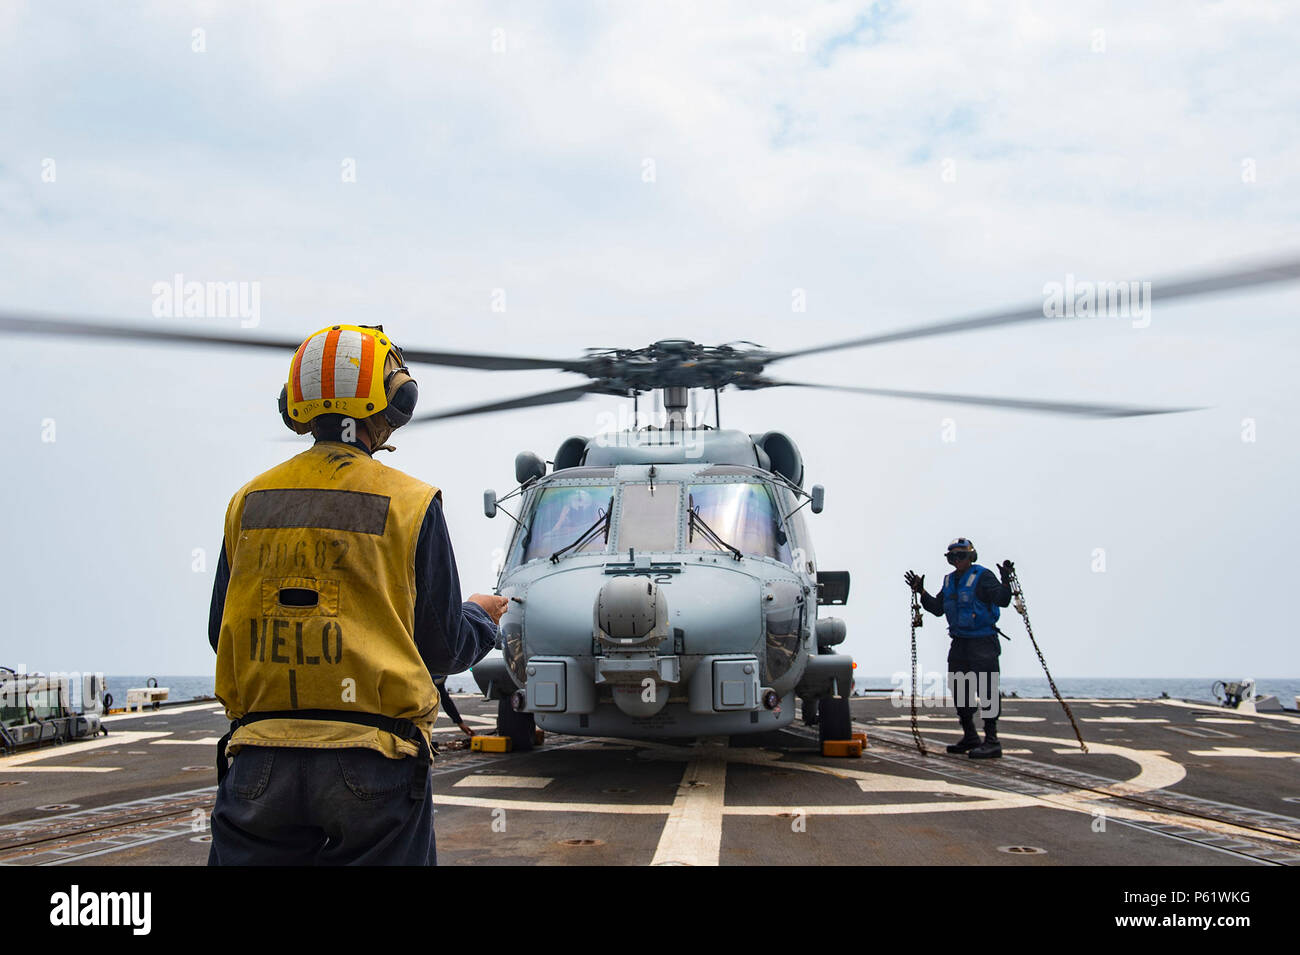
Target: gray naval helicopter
(661, 580)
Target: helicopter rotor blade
(1073, 408)
(38, 325)
(523, 401)
(1264, 274)
(489, 362)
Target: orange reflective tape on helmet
(338, 370)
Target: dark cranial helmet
(960, 544)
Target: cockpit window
(648, 517)
(743, 515)
(559, 517)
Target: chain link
(917, 621)
(1018, 595)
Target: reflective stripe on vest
(967, 615)
(320, 609)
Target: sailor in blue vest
(970, 598)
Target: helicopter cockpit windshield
(739, 517)
(743, 515)
(561, 517)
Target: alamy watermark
(1075, 299)
(37, 689)
(645, 429)
(967, 688)
(181, 299)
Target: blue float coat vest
(968, 616)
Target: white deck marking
(527, 805)
(951, 719)
(693, 832)
(1201, 732)
(21, 762)
(165, 711)
(505, 782)
(1123, 719)
(1243, 751)
(1208, 708)
(61, 769)
(471, 720)
(205, 741)
(1155, 769)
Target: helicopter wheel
(836, 722)
(809, 711)
(519, 726)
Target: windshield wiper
(707, 532)
(587, 536)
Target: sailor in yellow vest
(336, 598)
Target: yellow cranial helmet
(351, 370)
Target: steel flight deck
(1166, 783)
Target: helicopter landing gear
(809, 710)
(835, 722)
(521, 727)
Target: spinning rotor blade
(488, 362)
(34, 325)
(1074, 408)
(1284, 271)
(524, 401)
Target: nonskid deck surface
(1165, 783)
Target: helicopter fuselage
(718, 634)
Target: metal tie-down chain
(1018, 596)
(917, 621)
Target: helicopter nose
(632, 623)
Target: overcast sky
(617, 173)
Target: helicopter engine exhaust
(631, 617)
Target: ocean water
(1128, 688)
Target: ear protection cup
(297, 427)
(403, 393)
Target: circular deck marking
(950, 797)
(693, 827)
(13, 782)
(1023, 850)
(201, 839)
(59, 807)
(580, 843)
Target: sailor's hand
(1006, 568)
(464, 728)
(493, 605)
(916, 582)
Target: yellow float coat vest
(320, 608)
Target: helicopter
(661, 579)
